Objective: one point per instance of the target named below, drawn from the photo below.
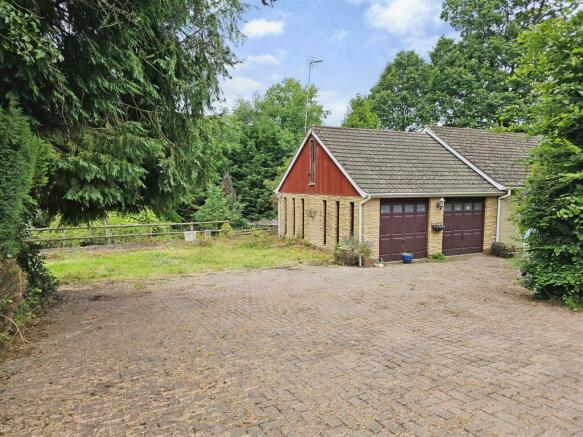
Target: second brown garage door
(463, 220)
(403, 228)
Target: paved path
(427, 349)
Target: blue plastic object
(407, 258)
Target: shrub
(227, 231)
(220, 206)
(349, 250)
(438, 257)
(501, 250)
(550, 207)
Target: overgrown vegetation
(349, 251)
(258, 250)
(550, 207)
(24, 279)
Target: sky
(354, 38)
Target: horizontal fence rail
(106, 234)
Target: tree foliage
(117, 89)
(469, 81)
(400, 98)
(360, 114)
(551, 205)
(23, 162)
(219, 206)
(270, 128)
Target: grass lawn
(103, 263)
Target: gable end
(329, 177)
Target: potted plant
(407, 257)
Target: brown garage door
(464, 226)
(403, 228)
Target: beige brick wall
(509, 232)
(490, 211)
(434, 239)
(314, 222)
(371, 222)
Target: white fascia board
(344, 172)
(463, 159)
(442, 194)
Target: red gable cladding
(329, 178)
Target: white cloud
(405, 18)
(339, 35)
(266, 59)
(261, 27)
(239, 87)
(262, 60)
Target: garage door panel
(403, 228)
(463, 221)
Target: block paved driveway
(427, 349)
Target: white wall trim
(463, 159)
(332, 157)
(441, 194)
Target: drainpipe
(360, 205)
(498, 214)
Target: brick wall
(434, 239)
(371, 222)
(314, 219)
(509, 232)
(490, 211)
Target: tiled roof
(500, 155)
(383, 161)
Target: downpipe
(499, 207)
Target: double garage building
(443, 190)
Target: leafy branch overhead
(118, 90)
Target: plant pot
(407, 258)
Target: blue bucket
(407, 258)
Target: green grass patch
(84, 265)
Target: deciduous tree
(551, 205)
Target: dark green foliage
(551, 205)
(220, 206)
(269, 130)
(501, 250)
(360, 114)
(400, 98)
(23, 159)
(41, 282)
(118, 89)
